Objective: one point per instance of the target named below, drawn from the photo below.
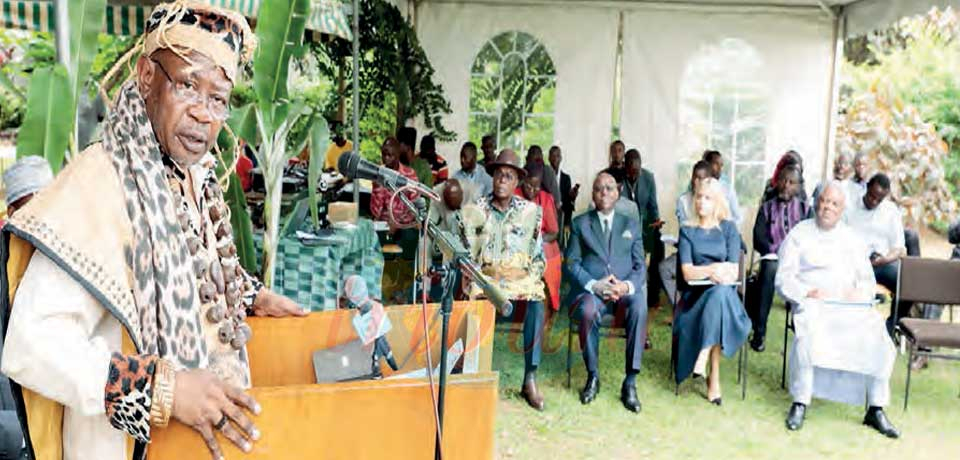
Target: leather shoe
(877, 420)
(628, 395)
(758, 345)
(795, 418)
(531, 394)
(590, 390)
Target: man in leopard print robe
(125, 265)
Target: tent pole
(356, 90)
(839, 35)
(62, 38)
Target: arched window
(724, 107)
(512, 87)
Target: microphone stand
(450, 273)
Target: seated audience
(469, 172)
(531, 190)
(618, 165)
(568, 191)
(550, 183)
(408, 155)
(711, 318)
(877, 222)
(775, 218)
(510, 253)
(857, 185)
(729, 193)
(438, 165)
(458, 214)
(668, 268)
(684, 211)
(840, 352)
(640, 187)
(605, 264)
(488, 145)
(842, 171)
(338, 147)
(382, 208)
(789, 159)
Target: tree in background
(899, 103)
(900, 143)
(396, 78)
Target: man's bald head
(605, 192)
(830, 205)
(453, 194)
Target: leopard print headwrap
(164, 287)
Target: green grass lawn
(687, 427)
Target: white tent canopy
(755, 77)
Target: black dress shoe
(717, 402)
(758, 345)
(532, 395)
(795, 417)
(590, 390)
(628, 395)
(877, 420)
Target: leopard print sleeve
(251, 287)
(128, 393)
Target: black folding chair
(931, 281)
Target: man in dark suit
(568, 193)
(640, 187)
(605, 266)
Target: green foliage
(237, 202)
(50, 110)
(512, 92)
(43, 132)
(914, 63)
(37, 52)
(110, 49)
(86, 21)
(396, 78)
(280, 31)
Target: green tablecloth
(310, 274)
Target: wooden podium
(381, 419)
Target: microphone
(497, 298)
(374, 317)
(351, 165)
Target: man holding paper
(841, 350)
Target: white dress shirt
(606, 224)
(880, 228)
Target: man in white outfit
(841, 350)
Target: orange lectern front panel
(383, 419)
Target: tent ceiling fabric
(862, 15)
(126, 17)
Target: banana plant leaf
(243, 123)
(46, 125)
(280, 28)
(237, 202)
(242, 225)
(87, 18)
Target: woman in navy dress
(711, 319)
